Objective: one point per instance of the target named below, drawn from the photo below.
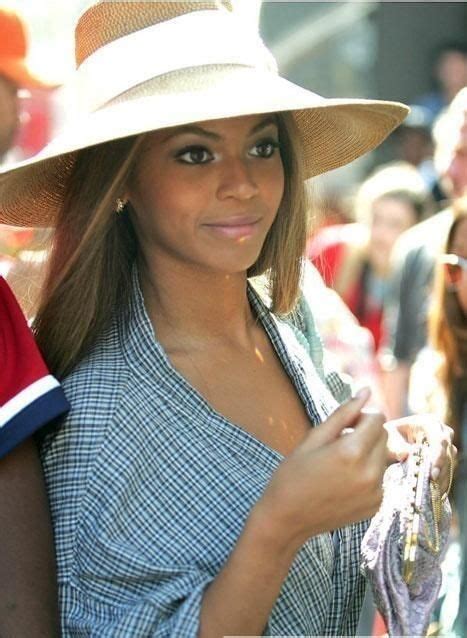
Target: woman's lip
(234, 229)
(234, 220)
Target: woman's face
(456, 172)
(205, 195)
(389, 218)
(459, 247)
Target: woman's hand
(403, 433)
(330, 480)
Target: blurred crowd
(399, 264)
(387, 262)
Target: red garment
(330, 250)
(29, 396)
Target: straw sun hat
(143, 66)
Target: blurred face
(205, 195)
(456, 172)
(452, 71)
(8, 114)
(459, 247)
(415, 145)
(389, 218)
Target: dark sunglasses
(454, 266)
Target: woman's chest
(267, 406)
(252, 391)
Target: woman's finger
(398, 448)
(405, 432)
(367, 443)
(341, 419)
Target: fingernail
(435, 472)
(363, 393)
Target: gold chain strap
(414, 519)
(434, 544)
(451, 476)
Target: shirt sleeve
(29, 396)
(171, 607)
(138, 563)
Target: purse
(405, 543)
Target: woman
(448, 323)
(354, 259)
(181, 483)
(445, 393)
(449, 337)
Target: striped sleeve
(29, 396)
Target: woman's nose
(237, 180)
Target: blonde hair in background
(93, 249)
(396, 177)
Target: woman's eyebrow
(196, 130)
(270, 120)
(199, 130)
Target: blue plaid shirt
(150, 489)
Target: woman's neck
(193, 308)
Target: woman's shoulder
(94, 390)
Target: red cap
(13, 50)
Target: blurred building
(382, 49)
(362, 49)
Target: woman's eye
(265, 149)
(194, 155)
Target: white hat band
(191, 40)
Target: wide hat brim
(333, 132)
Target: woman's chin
(236, 261)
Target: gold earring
(119, 206)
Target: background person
(20, 248)
(438, 381)
(406, 309)
(354, 259)
(413, 143)
(29, 399)
(15, 75)
(449, 76)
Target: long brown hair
(93, 248)
(448, 335)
